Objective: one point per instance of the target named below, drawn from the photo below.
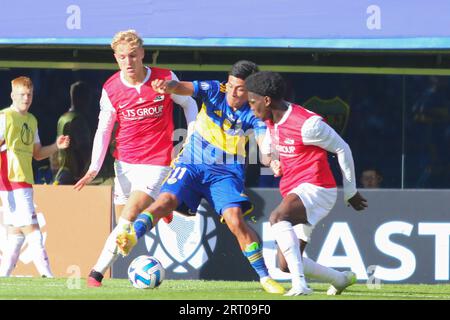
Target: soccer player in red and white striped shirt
(302, 139)
(144, 139)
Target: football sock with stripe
(253, 252)
(143, 223)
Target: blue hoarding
(353, 24)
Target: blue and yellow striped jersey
(220, 133)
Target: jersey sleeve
(259, 127)
(106, 120)
(207, 90)
(187, 103)
(2, 126)
(316, 132)
(36, 137)
(266, 145)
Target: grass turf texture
(120, 289)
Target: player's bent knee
(165, 204)
(235, 222)
(275, 217)
(167, 201)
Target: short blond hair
(129, 36)
(22, 82)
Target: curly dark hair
(266, 83)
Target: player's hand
(161, 86)
(62, 142)
(275, 165)
(88, 177)
(358, 202)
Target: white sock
(109, 253)
(317, 271)
(289, 245)
(11, 254)
(40, 258)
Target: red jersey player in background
(144, 139)
(301, 139)
(19, 144)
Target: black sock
(96, 275)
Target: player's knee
(276, 216)
(164, 205)
(233, 224)
(235, 221)
(167, 201)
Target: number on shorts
(178, 173)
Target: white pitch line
(397, 295)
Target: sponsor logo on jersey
(159, 98)
(226, 124)
(204, 86)
(123, 105)
(218, 113)
(288, 141)
(285, 149)
(142, 113)
(230, 116)
(238, 125)
(26, 135)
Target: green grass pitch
(121, 289)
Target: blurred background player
(211, 165)
(371, 178)
(19, 143)
(143, 139)
(309, 191)
(74, 161)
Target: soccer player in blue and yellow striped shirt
(211, 164)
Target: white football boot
(299, 289)
(335, 290)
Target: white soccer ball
(146, 272)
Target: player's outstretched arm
(40, 152)
(88, 177)
(182, 88)
(358, 202)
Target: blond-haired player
(144, 139)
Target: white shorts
(18, 207)
(137, 177)
(318, 202)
